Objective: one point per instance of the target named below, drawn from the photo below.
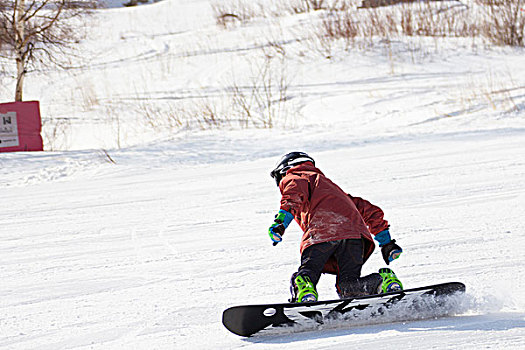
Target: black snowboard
(247, 320)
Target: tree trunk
(21, 52)
(20, 73)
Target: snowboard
(417, 303)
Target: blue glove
(281, 222)
(389, 249)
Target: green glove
(281, 222)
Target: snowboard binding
(303, 290)
(390, 281)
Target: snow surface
(144, 246)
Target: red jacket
(326, 213)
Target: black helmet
(287, 162)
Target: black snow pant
(349, 256)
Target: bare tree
(35, 32)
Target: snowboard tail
(247, 320)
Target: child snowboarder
(337, 232)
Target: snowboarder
(337, 230)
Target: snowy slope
(146, 251)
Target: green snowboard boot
(305, 290)
(390, 281)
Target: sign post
(20, 127)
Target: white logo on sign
(8, 130)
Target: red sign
(20, 127)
